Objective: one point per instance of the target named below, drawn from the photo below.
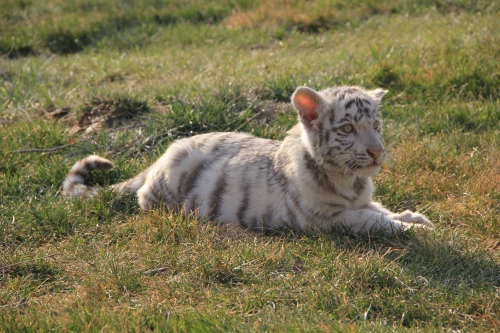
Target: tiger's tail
(74, 184)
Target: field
(124, 78)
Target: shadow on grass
(445, 258)
(12, 51)
(64, 38)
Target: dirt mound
(100, 113)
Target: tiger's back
(231, 176)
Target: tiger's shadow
(445, 259)
(442, 258)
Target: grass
(122, 79)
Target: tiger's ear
(378, 93)
(308, 102)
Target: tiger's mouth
(353, 165)
(367, 166)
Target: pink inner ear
(308, 106)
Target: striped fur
(318, 177)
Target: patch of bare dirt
(269, 109)
(100, 114)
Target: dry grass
(79, 265)
(463, 193)
(309, 16)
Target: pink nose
(375, 153)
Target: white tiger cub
(319, 176)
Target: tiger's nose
(375, 153)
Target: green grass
(122, 79)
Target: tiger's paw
(411, 217)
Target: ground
(122, 79)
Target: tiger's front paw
(408, 217)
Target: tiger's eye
(347, 128)
(376, 125)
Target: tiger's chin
(370, 170)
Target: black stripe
(190, 177)
(177, 159)
(332, 150)
(332, 117)
(243, 224)
(335, 205)
(358, 117)
(348, 146)
(318, 173)
(349, 104)
(327, 136)
(267, 218)
(244, 201)
(320, 135)
(351, 90)
(194, 177)
(347, 117)
(334, 92)
(199, 144)
(167, 195)
(218, 145)
(191, 204)
(276, 175)
(152, 199)
(359, 185)
(253, 224)
(359, 103)
(292, 220)
(332, 215)
(305, 211)
(216, 196)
